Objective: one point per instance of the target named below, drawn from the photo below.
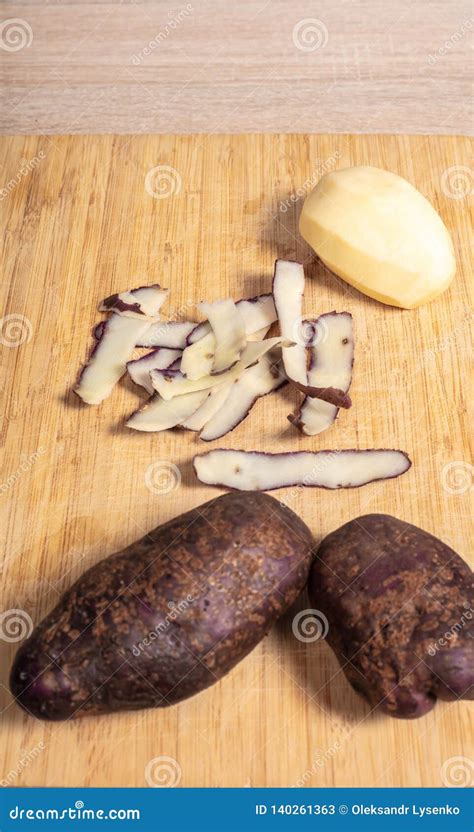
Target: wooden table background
(216, 66)
(80, 225)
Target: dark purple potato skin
(242, 557)
(400, 608)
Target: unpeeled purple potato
(169, 615)
(399, 605)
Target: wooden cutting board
(81, 223)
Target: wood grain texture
(81, 225)
(212, 66)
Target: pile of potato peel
(206, 377)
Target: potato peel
(288, 290)
(255, 382)
(228, 328)
(136, 303)
(331, 360)
(260, 471)
(170, 383)
(159, 359)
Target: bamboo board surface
(77, 486)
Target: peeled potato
(377, 232)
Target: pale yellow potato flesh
(376, 231)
